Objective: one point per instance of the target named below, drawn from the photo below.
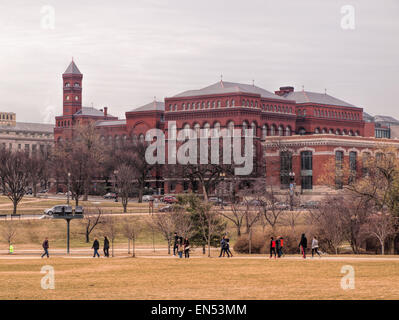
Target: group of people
(276, 246)
(96, 247)
(181, 245)
(225, 247)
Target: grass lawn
(156, 278)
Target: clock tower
(72, 90)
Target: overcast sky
(130, 51)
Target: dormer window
(67, 84)
(76, 85)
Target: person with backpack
(106, 247)
(303, 244)
(95, 247)
(315, 246)
(272, 247)
(186, 248)
(45, 246)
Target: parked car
(110, 195)
(28, 191)
(166, 209)
(147, 198)
(43, 191)
(310, 204)
(169, 199)
(217, 201)
(282, 206)
(58, 209)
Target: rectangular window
(285, 168)
(339, 158)
(306, 170)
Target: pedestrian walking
(180, 249)
(222, 247)
(95, 247)
(278, 247)
(227, 247)
(315, 246)
(45, 246)
(272, 247)
(106, 247)
(186, 248)
(281, 246)
(303, 244)
(175, 243)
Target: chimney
(284, 90)
(105, 111)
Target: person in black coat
(95, 247)
(303, 244)
(175, 243)
(227, 247)
(106, 246)
(186, 248)
(45, 246)
(222, 247)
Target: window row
(68, 85)
(323, 113)
(344, 132)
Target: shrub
(257, 244)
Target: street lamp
(69, 177)
(292, 189)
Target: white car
(58, 209)
(148, 198)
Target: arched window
(188, 106)
(230, 128)
(208, 105)
(207, 126)
(324, 130)
(213, 104)
(288, 131)
(184, 106)
(172, 133)
(344, 132)
(302, 131)
(67, 84)
(337, 132)
(216, 131)
(197, 128)
(253, 128)
(227, 103)
(232, 103)
(280, 130)
(317, 130)
(264, 131)
(273, 130)
(76, 85)
(244, 128)
(141, 137)
(218, 103)
(331, 131)
(186, 130)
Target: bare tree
(15, 175)
(9, 232)
(131, 230)
(92, 220)
(380, 225)
(182, 221)
(236, 216)
(125, 180)
(208, 221)
(165, 225)
(110, 229)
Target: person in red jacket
(272, 247)
(281, 246)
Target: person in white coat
(315, 246)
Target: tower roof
(72, 69)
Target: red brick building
(314, 126)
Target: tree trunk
(203, 249)
(34, 190)
(250, 241)
(76, 201)
(112, 241)
(87, 236)
(134, 248)
(128, 246)
(382, 247)
(238, 230)
(124, 204)
(141, 194)
(169, 246)
(15, 203)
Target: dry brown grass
(144, 278)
